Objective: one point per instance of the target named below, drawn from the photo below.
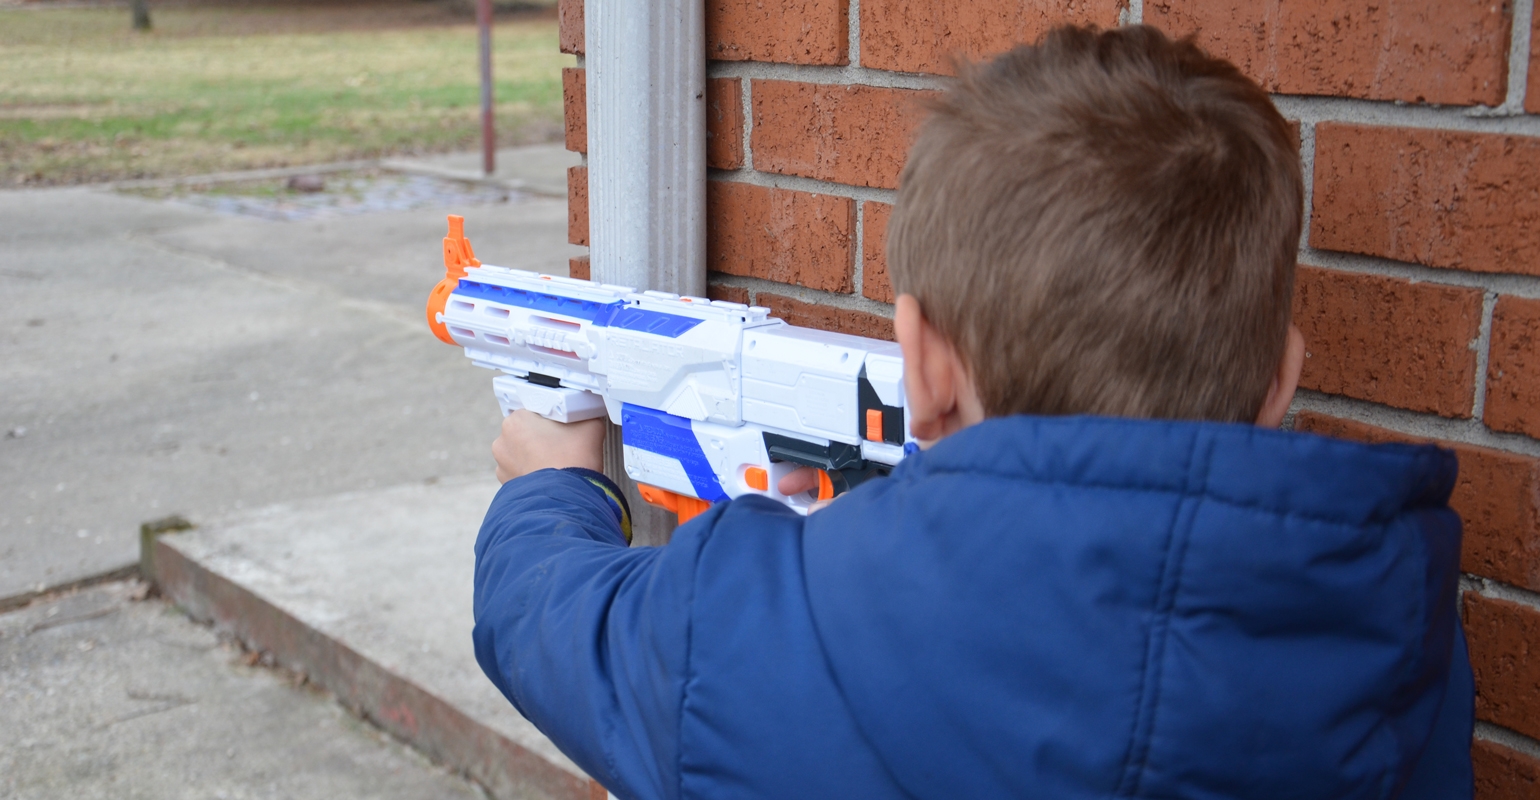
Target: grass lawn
(84, 98)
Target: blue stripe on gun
(604, 315)
(667, 435)
(550, 303)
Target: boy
(1159, 598)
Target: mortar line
(1499, 282)
(858, 252)
(1483, 346)
(1306, 109)
(853, 33)
(1307, 176)
(844, 302)
(1497, 590)
(1134, 14)
(798, 183)
(1393, 113)
(847, 74)
(747, 91)
(1510, 739)
(1519, 40)
(1414, 423)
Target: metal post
(141, 14)
(488, 137)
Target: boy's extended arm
(586, 637)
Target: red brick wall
(1420, 288)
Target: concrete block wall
(1419, 287)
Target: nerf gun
(714, 400)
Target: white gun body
(715, 400)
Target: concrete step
(369, 595)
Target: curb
(400, 707)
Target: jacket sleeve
(587, 638)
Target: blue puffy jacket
(1036, 607)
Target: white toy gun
(714, 400)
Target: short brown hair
(1105, 223)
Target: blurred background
(218, 85)
(218, 230)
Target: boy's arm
(586, 637)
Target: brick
(781, 235)
(784, 31)
(569, 23)
(1503, 773)
(732, 294)
(857, 135)
(1451, 199)
(828, 318)
(1513, 368)
(577, 205)
(724, 123)
(574, 107)
(1532, 95)
(1505, 653)
(579, 268)
(925, 35)
(1497, 495)
(724, 117)
(874, 251)
(1452, 52)
(1388, 340)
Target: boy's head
(1105, 223)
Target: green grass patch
(83, 98)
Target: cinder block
(1388, 340)
(1497, 495)
(1503, 773)
(874, 251)
(1504, 637)
(1513, 368)
(783, 31)
(857, 135)
(781, 235)
(1419, 51)
(577, 205)
(574, 108)
(1451, 199)
(829, 318)
(925, 35)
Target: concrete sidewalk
(275, 383)
(369, 594)
(158, 358)
(106, 696)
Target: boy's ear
(938, 390)
(1281, 393)
(928, 389)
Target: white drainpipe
(646, 72)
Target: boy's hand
(530, 442)
(804, 479)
